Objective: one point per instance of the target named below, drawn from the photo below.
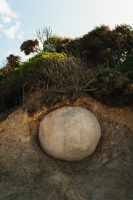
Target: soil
(26, 172)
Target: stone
(70, 133)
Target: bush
(29, 46)
(102, 46)
(51, 44)
(111, 86)
(127, 67)
(36, 99)
(53, 73)
(13, 61)
(15, 84)
(112, 78)
(46, 77)
(68, 77)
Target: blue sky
(19, 19)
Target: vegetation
(43, 35)
(102, 46)
(13, 61)
(112, 77)
(105, 70)
(29, 46)
(127, 66)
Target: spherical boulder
(69, 133)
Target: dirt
(26, 172)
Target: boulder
(69, 133)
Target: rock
(69, 133)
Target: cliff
(26, 172)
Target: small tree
(29, 46)
(51, 43)
(13, 61)
(43, 35)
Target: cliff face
(26, 172)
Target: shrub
(69, 75)
(46, 56)
(13, 61)
(36, 99)
(43, 35)
(29, 46)
(102, 46)
(127, 67)
(16, 83)
(55, 74)
(51, 43)
(111, 86)
(112, 78)
(65, 77)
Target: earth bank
(26, 172)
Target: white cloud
(12, 31)
(10, 24)
(6, 19)
(5, 9)
(1, 26)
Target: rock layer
(69, 133)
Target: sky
(20, 19)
